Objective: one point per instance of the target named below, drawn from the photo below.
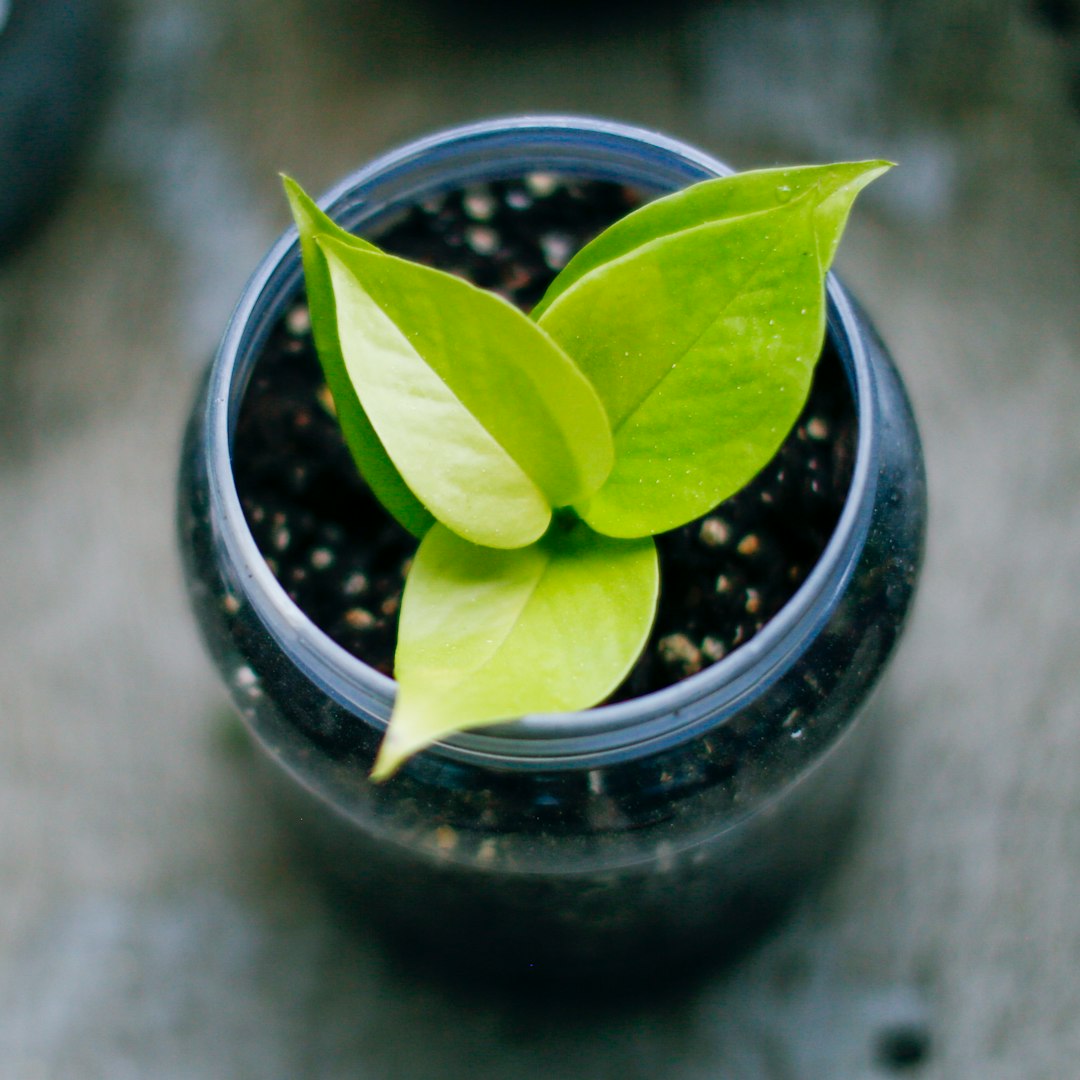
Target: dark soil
(342, 558)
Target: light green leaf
(487, 420)
(364, 445)
(834, 189)
(702, 345)
(488, 635)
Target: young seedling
(536, 456)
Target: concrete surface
(150, 922)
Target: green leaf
(485, 417)
(364, 445)
(834, 189)
(702, 345)
(489, 635)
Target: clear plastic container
(627, 837)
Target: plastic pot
(633, 835)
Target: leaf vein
(737, 294)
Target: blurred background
(151, 921)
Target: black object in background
(55, 56)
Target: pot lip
(586, 737)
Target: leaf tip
(305, 211)
(871, 170)
(293, 191)
(387, 763)
(338, 257)
(406, 735)
(878, 168)
(326, 245)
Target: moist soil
(342, 558)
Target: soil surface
(343, 559)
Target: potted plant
(687, 810)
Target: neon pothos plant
(536, 456)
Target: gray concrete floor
(150, 922)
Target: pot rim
(663, 717)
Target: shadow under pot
(666, 825)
